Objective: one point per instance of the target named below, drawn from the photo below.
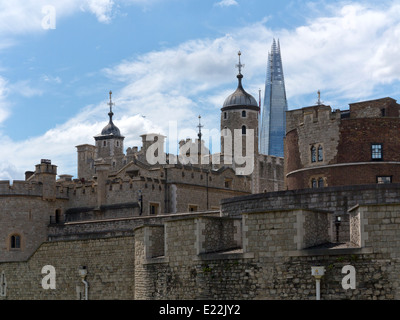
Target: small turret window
(244, 114)
(15, 242)
(313, 154)
(225, 115)
(313, 183)
(320, 154)
(243, 129)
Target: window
(154, 208)
(15, 242)
(192, 207)
(383, 112)
(228, 183)
(104, 143)
(383, 179)
(320, 154)
(58, 215)
(313, 154)
(376, 151)
(243, 129)
(313, 183)
(244, 114)
(225, 115)
(320, 183)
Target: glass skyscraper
(273, 120)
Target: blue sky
(171, 60)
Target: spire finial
(319, 98)
(110, 104)
(199, 126)
(240, 65)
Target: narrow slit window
(313, 154)
(320, 154)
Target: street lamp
(82, 273)
(337, 224)
(140, 202)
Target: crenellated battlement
(310, 115)
(19, 187)
(29, 188)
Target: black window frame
(390, 178)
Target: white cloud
(226, 3)
(51, 79)
(26, 16)
(102, 9)
(4, 105)
(24, 88)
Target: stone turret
(45, 174)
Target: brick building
(336, 148)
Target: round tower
(110, 142)
(239, 114)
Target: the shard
(273, 120)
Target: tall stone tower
(273, 122)
(110, 142)
(239, 118)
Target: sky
(169, 61)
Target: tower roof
(240, 98)
(110, 130)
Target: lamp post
(82, 273)
(140, 202)
(318, 273)
(337, 224)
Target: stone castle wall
(109, 263)
(177, 259)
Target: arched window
(313, 154)
(243, 129)
(313, 183)
(320, 154)
(15, 241)
(244, 114)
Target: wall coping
(342, 165)
(298, 192)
